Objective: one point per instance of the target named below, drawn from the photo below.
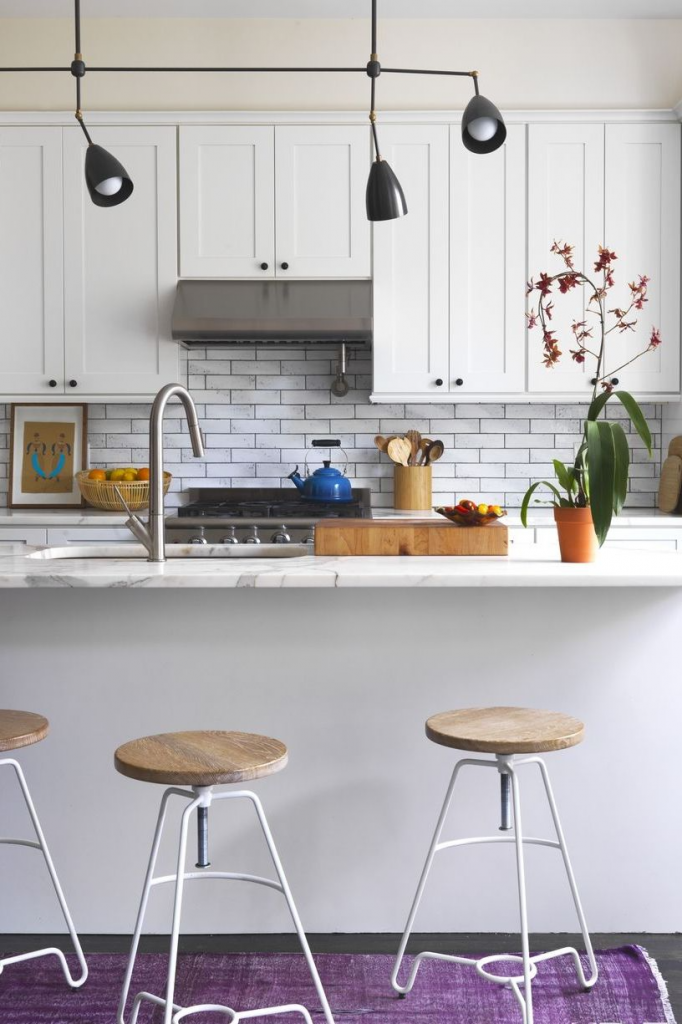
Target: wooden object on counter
(202, 758)
(675, 447)
(670, 484)
(412, 488)
(342, 537)
(505, 730)
(21, 729)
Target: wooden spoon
(399, 449)
(414, 437)
(433, 452)
(382, 442)
(424, 444)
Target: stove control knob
(310, 539)
(252, 537)
(229, 537)
(199, 539)
(280, 536)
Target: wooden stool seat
(21, 729)
(505, 730)
(202, 758)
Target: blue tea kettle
(327, 483)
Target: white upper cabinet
(120, 267)
(565, 203)
(227, 201)
(411, 335)
(643, 228)
(262, 201)
(321, 226)
(31, 292)
(488, 266)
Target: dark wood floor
(666, 949)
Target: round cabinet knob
(73, 383)
(52, 383)
(459, 382)
(284, 266)
(614, 380)
(439, 382)
(264, 266)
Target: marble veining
(526, 567)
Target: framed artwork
(48, 446)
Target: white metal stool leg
(505, 765)
(173, 1013)
(41, 845)
(587, 983)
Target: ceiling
(346, 8)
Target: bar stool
(506, 733)
(202, 761)
(22, 729)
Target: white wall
(523, 63)
(346, 679)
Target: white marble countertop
(526, 567)
(60, 517)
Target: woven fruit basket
(102, 493)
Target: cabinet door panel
(643, 228)
(411, 267)
(120, 267)
(31, 261)
(227, 201)
(487, 266)
(321, 224)
(565, 203)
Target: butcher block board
(408, 537)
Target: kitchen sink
(124, 550)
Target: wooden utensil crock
(412, 488)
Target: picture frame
(48, 445)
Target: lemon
(482, 510)
(117, 474)
(129, 476)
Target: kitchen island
(345, 668)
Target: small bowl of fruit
(468, 513)
(100, 487)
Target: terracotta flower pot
(577, 539)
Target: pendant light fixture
(483, 130)
(107, 180)
(385, 199)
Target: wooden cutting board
(408, 537)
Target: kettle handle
(320, 443)
(329, 442)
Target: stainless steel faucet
(153, 534)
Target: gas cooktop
(270, 504)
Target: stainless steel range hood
(246, 312)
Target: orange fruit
(143, 474)
(97, 474)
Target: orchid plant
(598, 477)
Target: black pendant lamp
(384, 198)
(483, 130)
(108, 182)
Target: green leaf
(622, 467)
(529, 494)
(637, 417)
(601, 459)
(565, 476)
(598, 404)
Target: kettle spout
(296, 479)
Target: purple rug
(629, 990)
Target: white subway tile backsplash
(260, 409)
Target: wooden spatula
(400, 450)
(414, 437)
